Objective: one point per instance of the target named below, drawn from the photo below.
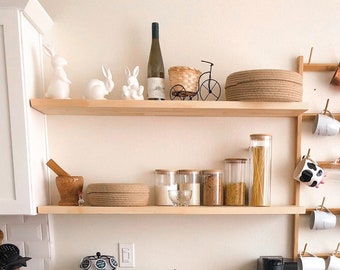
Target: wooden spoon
(56, 168)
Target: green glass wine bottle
(155, 67)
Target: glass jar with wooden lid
(260, 169)
(212, 181)
(165, 180)
(236, 182)
(190, 180)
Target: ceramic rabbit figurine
(59, 86)
(133, 90)
(97, 89)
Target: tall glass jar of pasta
(260, 169)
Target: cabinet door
(17, 194)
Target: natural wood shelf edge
(167, 108)
(170, 210)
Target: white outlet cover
(126, 255)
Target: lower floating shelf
(170, 210)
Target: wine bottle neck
(155, 30)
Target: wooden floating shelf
(167, 108)
(170, 210)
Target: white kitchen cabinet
(23, 146)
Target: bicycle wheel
(177, 92)
(210, 89)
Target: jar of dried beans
(190, 180)
(212, 181)
(165, 180)
(236, 182)
(260, 169)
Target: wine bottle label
(156, 88)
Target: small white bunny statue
(59, 86)
(97, 89)
(133, 90)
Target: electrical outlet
(126, 255)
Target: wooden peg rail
(321, 255)
(316, 66)
(326, 255)
(301, 68)
(335, 211)
(319, 67)
(329, 164)
(311, 116)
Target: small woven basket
(117, 194)
(184, 77)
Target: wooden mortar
(69, 188)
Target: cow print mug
(308, 172)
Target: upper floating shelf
(167, 108)
(170, 210)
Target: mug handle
(336, 253)
(320, 207)
(325, 112)
(309, 253)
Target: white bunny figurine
(59, 86)
(133, 90)
(97, 89)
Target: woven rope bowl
(184, 77)
(272, 85)
(117, 194)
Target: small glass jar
(165, 180)
(212, 181)
(190, 180)
(236, 182)
(260, 169)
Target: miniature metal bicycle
(207, 88)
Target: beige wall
(235, 35)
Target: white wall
(235, 35)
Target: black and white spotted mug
(308, 172)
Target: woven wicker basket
(116, 194)
(264, 85)
(184, 77)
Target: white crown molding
(33, 11)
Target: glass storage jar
(190, 180)
(165, 180)
(212, 182)
(260, 169)
(236, 182)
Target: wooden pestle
(56, 168)
(1, 236)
